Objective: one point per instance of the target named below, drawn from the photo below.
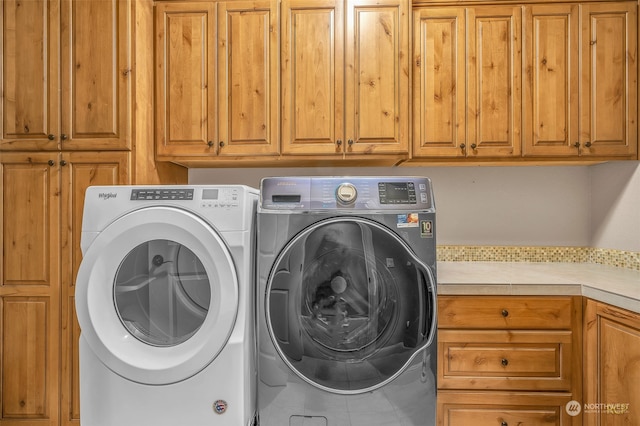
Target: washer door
(157, 295)
(349, 305)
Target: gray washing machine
(346, 305)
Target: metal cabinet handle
(462, 146)
(63, 137)
(221, 144)
(577, 144)
(505, 313)
(50, 137)
(339, 142)
(51, 163)
(504, 362)
(474, 146)
(587, 144)
(350, 142)
(210, 144)
(503, 423)
(63, 163)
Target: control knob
(346, 193)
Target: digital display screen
(210, 194)
(397, 192)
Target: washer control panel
(210, 197)
(352, 193)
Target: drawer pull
(505, 313)
(503, 423)
(504, 362)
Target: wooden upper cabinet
(312, 58)
(439, 104)
(608, 85)
(248, 78)
(212, 104)
(377, 76)
(66, 75)
(345, 77)
(30, 74)
(185, 79)
(494, 81)
(580, 83)
(467, 82)
(551, 79)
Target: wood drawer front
(496, 409)
(504, 360)
(525, 312)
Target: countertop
(616, 286)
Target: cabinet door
(79, 171)
(312, 77)
(29, 288)
(551, 80)
(494, 62)
(439, 104)
(608, 88)
(248, 77)
(185, 79)
(612, 365)
(377, 76)
(95, 75)
(29, 76)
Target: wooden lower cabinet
(503, 409)
(41, 211)
(509, 360)
(611, 365)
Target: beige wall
(547, 205)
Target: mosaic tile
(618, 258)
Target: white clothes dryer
(164, 299)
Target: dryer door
(157, 295)
(349, 305)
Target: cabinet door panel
(312, 77)
(25, 328)
(551, 80)
(494, 68)
(609, 81)
(29, 75)
(29, 288)
(185, 80)
(30, 215)
(377, 76)
(612, 365)
(95, 73)
(81, 170)
(439, 82)
(248, 77)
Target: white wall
(615, 204)
(538, 206)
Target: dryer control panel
(351, 193)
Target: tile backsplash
(619, 258)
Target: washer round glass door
(157, 295)
(349, 305)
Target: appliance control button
(346, 193)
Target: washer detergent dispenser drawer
(350, 305)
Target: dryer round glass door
(349, 305)
(157, 295)
(162, 293)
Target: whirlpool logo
(107, 195)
